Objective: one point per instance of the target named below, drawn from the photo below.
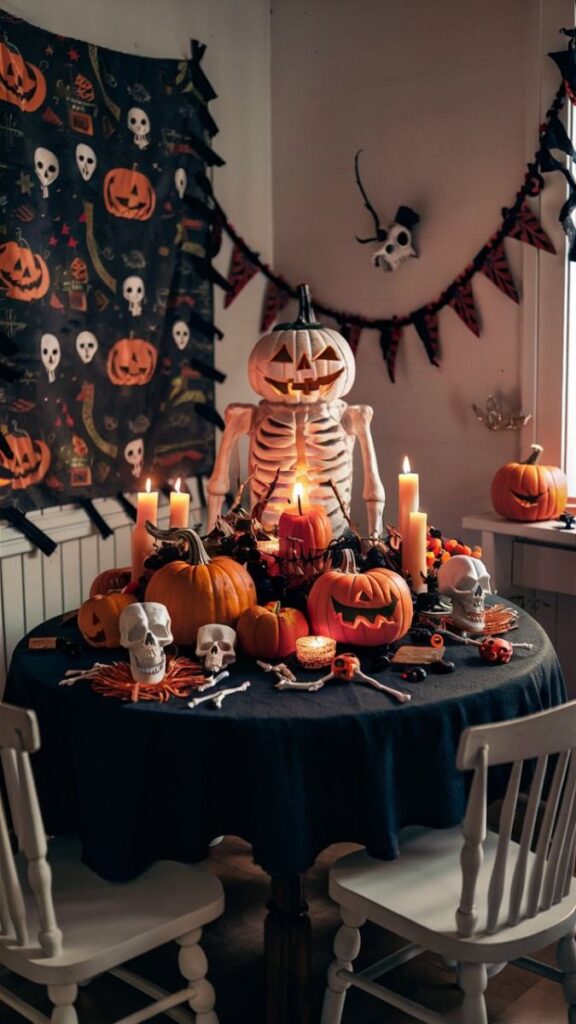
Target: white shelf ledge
(550, 532)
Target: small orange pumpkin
(270, 631)
(111, 579)
(129, 194)
(131, 361)
(21, 83)
(364, 609)
(200, 590)
(98, 618)
(29, 463)
(23, 273)
(528, 492)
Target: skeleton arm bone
(238, 422)
(356, 421)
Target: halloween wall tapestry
(106, 330)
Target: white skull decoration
(181, 181)
(134, 455)
(133, 291)
(139, 125)
(50, 353)
(85, 160)
(396, 240)
(86, 346)
(47, 168)
(465, 581)
(180, 334)
(145, 630)
(215, 646)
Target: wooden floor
(234, 948)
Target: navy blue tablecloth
(289, 772)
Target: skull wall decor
(47, 168)
(86, 346)
(181, 181)
(145, 630)
(50, 353)
(395, 237)
(134, 455)
(139, 125)
(215, 646)
(85, 160)
(466, 582)
(180, 334)
(134, 292)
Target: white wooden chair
(61, 925)
(510, 898)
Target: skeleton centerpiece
(302, 428)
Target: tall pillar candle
(415, 560)
(408, 501)
(142, 542)
(179, 507)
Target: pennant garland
(462, 302)
(275, 299)
(351, 332)
(496, 269)
(528, 229)
(240, 271)
(389, 341)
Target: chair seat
(105, 923)
(416, 896)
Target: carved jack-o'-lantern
(129, 194)
(131, 361)
(23, 273)
(529, 492)
(302, 362)
(363, 609)
(21, 83)
(29, 463)
(98, 618)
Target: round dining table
(291, 772)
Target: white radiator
(34, 587)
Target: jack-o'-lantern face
(23, 273)
(21, 83)
(131, 361)
(528, 491)
(29, 463)
(98, 618)
(301, 362)
(129, 194)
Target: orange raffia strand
(182, 676)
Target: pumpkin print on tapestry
(101, 265)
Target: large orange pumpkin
(111, 580)
(21, 83)
(364, 609)
(23, 273)
(29, 463)
(528, 492)
(201, 590)
(129, 194)
(98, 618)
(270, 631)
(131, 361)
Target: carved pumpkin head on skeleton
(302, 362)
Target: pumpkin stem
(348, 561)
(197, 554)
(274, 606)
(535, 454)
(306, 315)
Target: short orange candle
(142, 542)
(304, 531)
(179, 507)
(415, 560)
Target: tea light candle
(142, 542)
(415, 561)
(179, 507)
(315, 651)
(408, 501)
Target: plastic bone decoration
(301, 428)
(145, 630)
(395, 237)
(466, 582)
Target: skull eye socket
(282, 356)
(138, 632)
(402, 238)
(329, 353)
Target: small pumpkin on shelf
(98, 618)
(528, 491)
(270, 631)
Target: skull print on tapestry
(105, 303)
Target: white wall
(439, 96)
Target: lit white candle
(142, 542)
(179, 507)
(415, 560)
(408, 501)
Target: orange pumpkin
(23, 273)
(528, 492)
(270, 631)
(364, 609)
(98, 618)
(28, 464)
(129, 194)
(111, 579)
(21, 83)
(200, 590)
(131, 361)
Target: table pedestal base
(287, 950)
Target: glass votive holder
(315, 651)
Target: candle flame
(297, 492)
(148, 485)
(406, 465)
(177, 485)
